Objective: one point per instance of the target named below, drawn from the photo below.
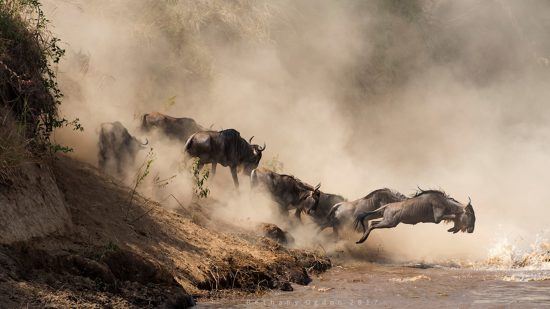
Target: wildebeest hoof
(453, 230)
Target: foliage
(29, 54)
(274, 164)
(199, 180)
(109, 247)
(142, 172)
(13, 146)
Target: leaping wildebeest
(175, 128)
(345, 212)
(117, 148)
(287, 191)
(226, 148)
(430, 206)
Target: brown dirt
(275, 233)
(140, 256)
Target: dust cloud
(357, 95)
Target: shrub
(28, 57)
(200, 190)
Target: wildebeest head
(470, 217)
(151, 120)
(254, 159)
(311, 200)
(467, 220)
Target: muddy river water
(414, 286)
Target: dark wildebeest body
(117, 149)
(321, 213)
(175, 128)
(287, 191)
(346, 212)
(226, 148)
(425, 207)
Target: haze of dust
(356, 95)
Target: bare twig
(142, 215)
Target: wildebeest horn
(262, 148)
(317, 186)
(250, 140)
(146, 142)
(210, 127)
(469, 201)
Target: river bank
(412, 286)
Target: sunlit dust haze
(357, 95)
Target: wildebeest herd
(382, 208)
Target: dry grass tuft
(13, 147)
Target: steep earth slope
(117, 254)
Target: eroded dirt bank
(140, 254)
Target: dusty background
(357, 95)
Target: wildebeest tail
(188, 144)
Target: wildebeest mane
(433, 191)
(300, 183)
(370, 195)
(379, 197)
(236, 147)
(422, 192)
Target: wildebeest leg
(324, 226)
(297, 214)
(102, 161)
(367, 231)
(367, 219)
(214, 169)
(455, 229)
(383, 224)
(234, 175)
(283, 210)
(439, 215)
(336, 232)
(120, 165)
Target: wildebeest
(426, 206)
(176, 128)
(320, 214)
(344, 213)
(227, 148)
(117, 148)
(287, 191)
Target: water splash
(520, 260)
(511, 255)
